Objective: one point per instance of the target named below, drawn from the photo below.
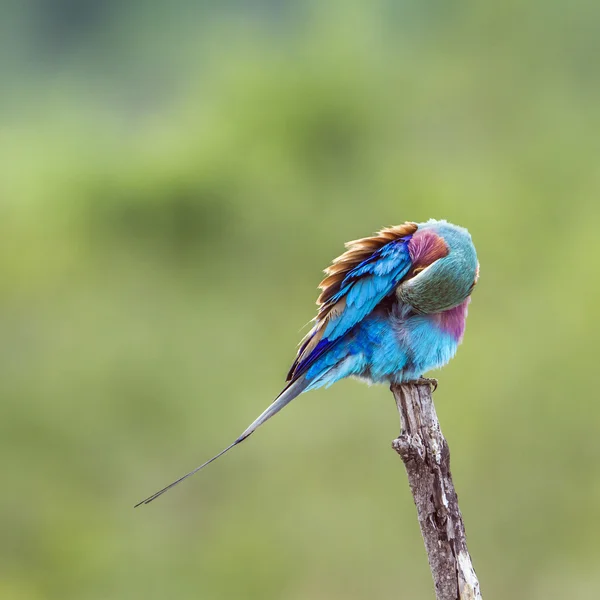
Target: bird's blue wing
(356, 283)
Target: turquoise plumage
(392, 307)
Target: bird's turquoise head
(445, 268)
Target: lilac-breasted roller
(392, 307)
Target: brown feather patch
(357, 251)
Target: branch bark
(426, 456)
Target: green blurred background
(173, 177)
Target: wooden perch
(426, 456)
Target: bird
(392, 307)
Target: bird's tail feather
(287, 395)
(293, 390)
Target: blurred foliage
(172, 180)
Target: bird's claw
(426, 381)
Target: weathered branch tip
(426, 457)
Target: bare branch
(426, 456)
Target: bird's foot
(425, 381)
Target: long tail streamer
(286, 396)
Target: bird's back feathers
(355, 283)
